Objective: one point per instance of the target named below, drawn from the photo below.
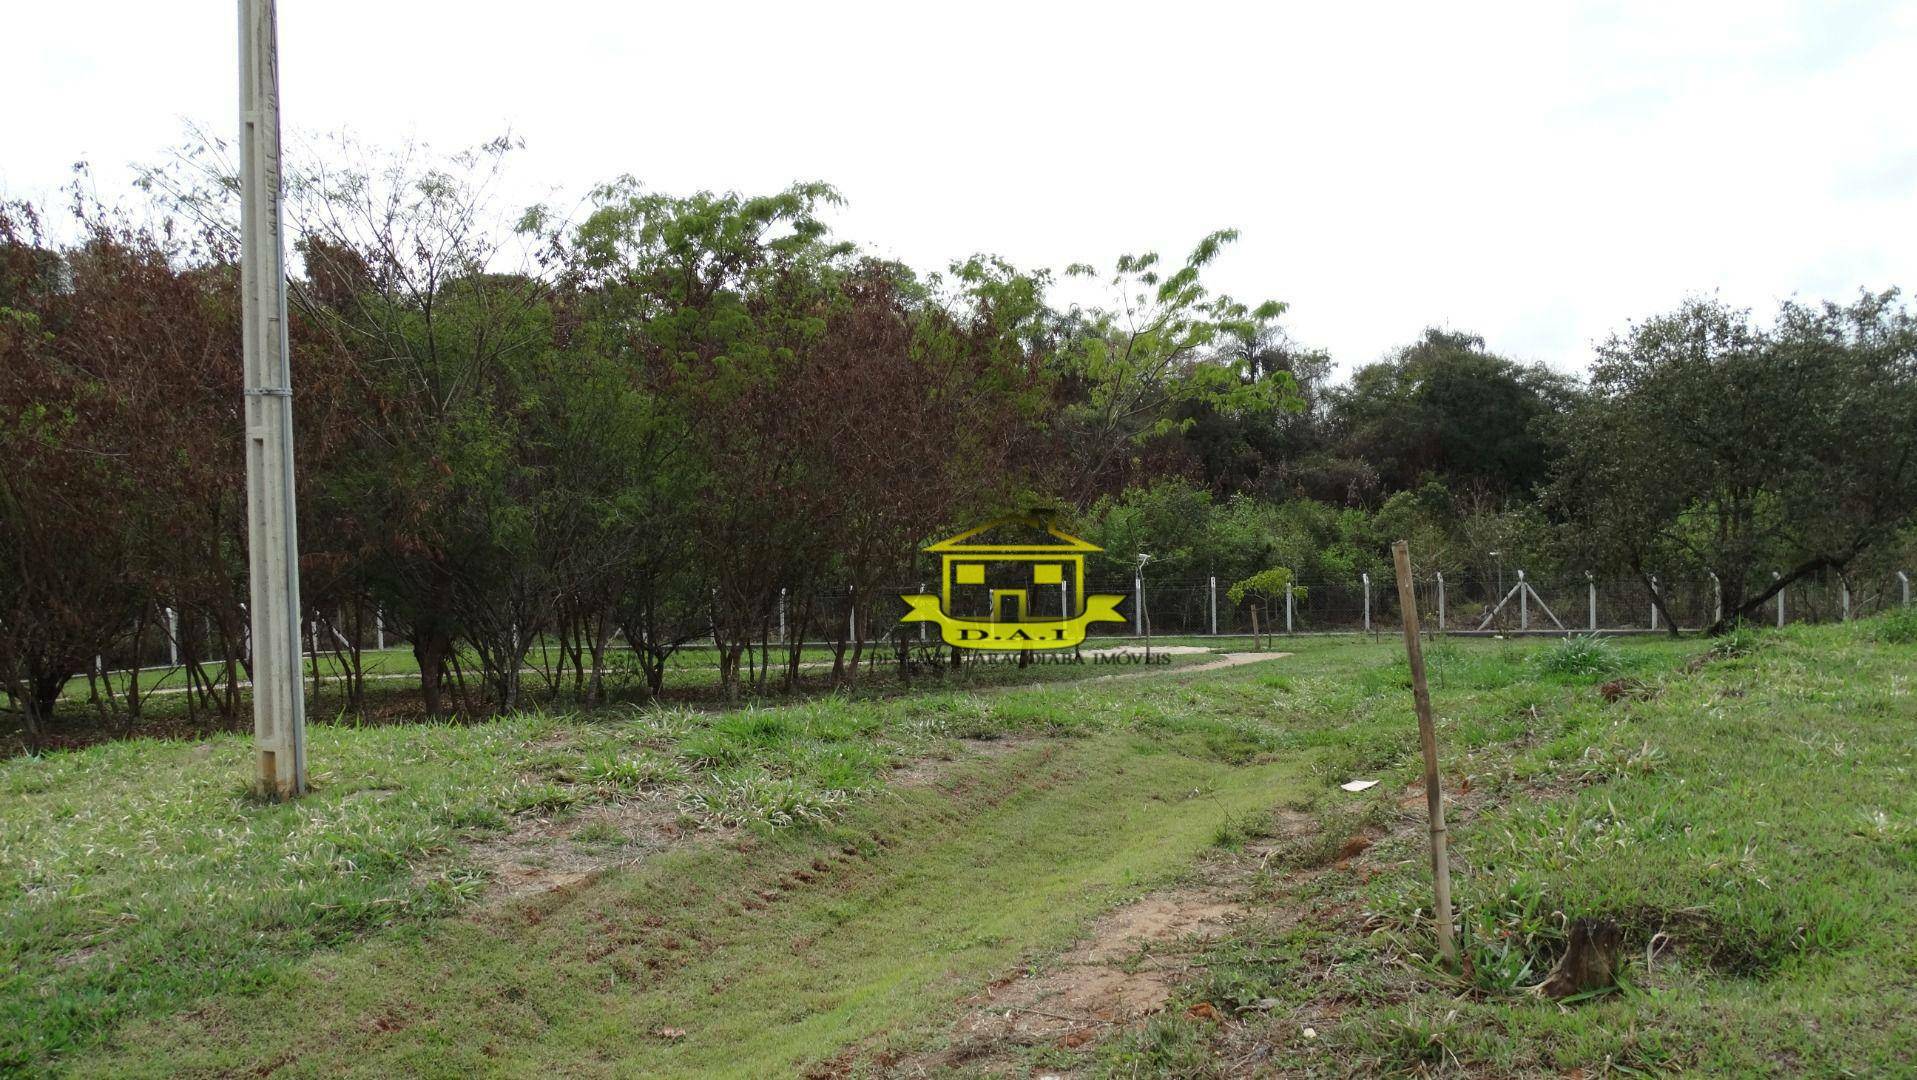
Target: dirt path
(1119, 974)
(1225, 660)
(537, 854)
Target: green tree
(1445, 407)
(1165, 341)
(1708, 443)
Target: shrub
(1742, 641)
(1897, 627)
(1266, 585)
(1580, 654)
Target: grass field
(763, 891)
(700, 662)
(392, 690)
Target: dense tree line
(659, 418)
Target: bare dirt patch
(540, 854)
(918, 772)
(1122, 972)
(1225, 660)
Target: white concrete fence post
(1289, 590)
(172, 637)
(1440, 601)
(379, 629)
(1717, 598)
(1138, 605)
(1590, 599)
(852, 614)
(1843, 592)
(1367, 585)
(921, 625)
(1653, 603)
(1524, 603)
(1780, 601)
(1214, 605)
(1064, 606)
(1904, 579)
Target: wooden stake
(1428, 737)
(1257, 644)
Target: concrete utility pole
(279, 704)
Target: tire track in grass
(760, 957)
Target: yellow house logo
(1012, 595)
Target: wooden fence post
(1428, 739)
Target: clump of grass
(1580, 655)
(1419, 1042)
(667, 721)
(622, 774)
(1168, 1046)
(756, 797)
(1239, 829)
(1741, 641)
(1896, 628)
(1610, 761)
(599, 832)
(479, 816)
(541, 798)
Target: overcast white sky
(1540, 174)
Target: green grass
(392, 692)
(1748, 820)
(869, 928)
(1749, 814)
(139, 875)
(693, 664)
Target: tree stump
(1589, 963)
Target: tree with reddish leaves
(920, 420)
(65, 536)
